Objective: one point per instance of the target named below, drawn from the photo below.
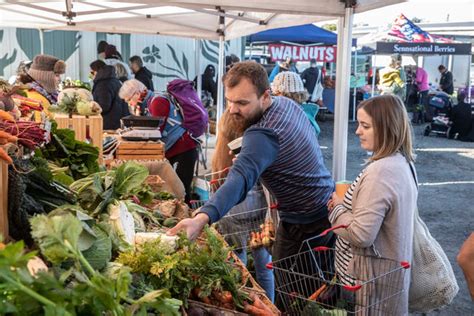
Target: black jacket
(310, 77)
(446, 82)
(105, 92)
(461, 116)
(146, 77)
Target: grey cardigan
(380, 225)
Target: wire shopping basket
(248, 224)
(307, 284)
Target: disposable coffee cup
(342, 187)
(235, 145)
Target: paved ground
(446, 199)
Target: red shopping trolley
(247, 225)
(307, 284)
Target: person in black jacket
(208, 82)
(105, 92)
(142, 74)
(446, 80)
(310, 76)
(461, 117)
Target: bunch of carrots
(27, 134)
(265, 237)
(26, 105)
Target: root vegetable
(318, 292)
(6, 116)
(4, 156)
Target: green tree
(330, 27)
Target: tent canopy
(302, 34)
(188, 18)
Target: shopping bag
(318, 90)
(433, 284)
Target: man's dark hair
(441, 67)
(97, 65)
(251, 71)
(136, 60)
(101, 46)
(461, 96)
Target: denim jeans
(264, 276)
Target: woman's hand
(335, 200)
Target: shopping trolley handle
(324, 233)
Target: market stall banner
(424, 48)
(279, 52)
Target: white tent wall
(157, 52)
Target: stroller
(440, 105)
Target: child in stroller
(440, 104)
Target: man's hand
(192, 226)
(258, 308)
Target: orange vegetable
(4, 156)
(318, 292)
(6, 116)
(9, 137)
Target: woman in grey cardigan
(378, 209)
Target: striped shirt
(282, 150)
(343, 248)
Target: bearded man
(278, 147)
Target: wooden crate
(128, 150)
(4, 200)
(84, 126)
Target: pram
(440, 104)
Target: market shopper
(310, 76)
(379, 206)
(42, 81)
(422, 86)
(106, 93)
(446, 80)
(289, 84)
(280, 148)
(112, 58)
(251, 209)
(393, 78)
(141, 73)
(208, 84)
(461, 118)
(180, 147)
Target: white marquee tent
(204, 19)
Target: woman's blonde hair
(392, 129)
(229, 129)
(130, 87)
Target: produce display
(76, 100)
(86, 240)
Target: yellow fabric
(389, 76)
(44, 102)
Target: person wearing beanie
(289, 84)
(101, 46)
(112, 58)
(42, 79)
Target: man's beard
(247, 122)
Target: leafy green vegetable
(202, 266)
(100, 253)
(65, 151)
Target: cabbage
(100, 253)
(121, 221)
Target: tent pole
(374, 77)
(343, 69)
(41, 36)
(354, 93)
(251, 51)
(197, 49)
(220, 73)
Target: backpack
(186, 100)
